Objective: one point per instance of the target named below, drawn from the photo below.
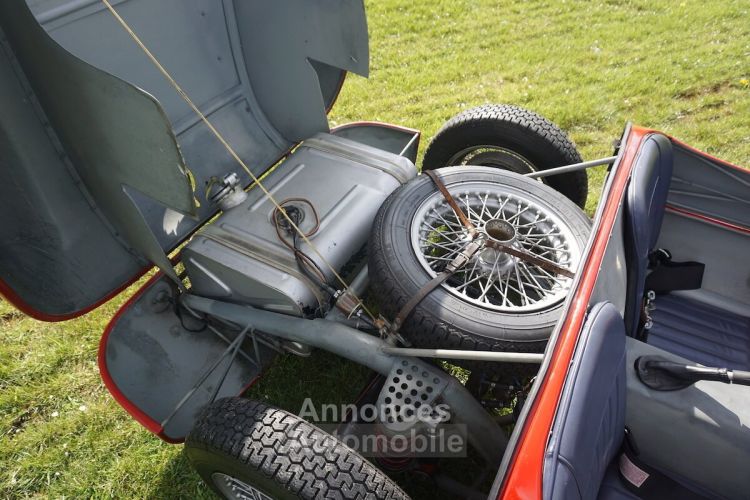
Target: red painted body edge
(708, 220)
(8, 294)
(135, 412)
(524, 477)
(139, 415)
(366, 123)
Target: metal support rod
(506, 357)
(571, 168)
(233, 349)
(484, 434)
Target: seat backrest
(590, 421)
(645, 200)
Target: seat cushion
(701, 333)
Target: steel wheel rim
(231, 487)
(492, 156)
(497, 281)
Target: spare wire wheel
(494, 279)
(510, 291)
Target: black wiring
(309, 267)
(179, 312)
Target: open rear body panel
(164, 367)
(164, 364)
(107, 166)
(99, 149)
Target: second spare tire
(507, 137)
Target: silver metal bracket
(648, 308)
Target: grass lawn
(681, 67)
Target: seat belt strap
(671, 276)
(668, 276)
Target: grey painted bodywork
(483, 433)
(152, 358)
(240, 257)
(115, 135)
(701, 432)
(398, 140)
(726, 280)
(710, 187)
(81, 235)
(699, 435)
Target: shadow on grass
(179, 480)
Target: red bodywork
(523, 479)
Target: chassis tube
(571, 168)
(483, 432)
(507, 357)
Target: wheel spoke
(495, 279)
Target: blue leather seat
(590, 424)
(645, 202)
(701, 333)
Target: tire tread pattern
(487, 117)
(272, 441)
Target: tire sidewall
(514, 134)
(536, 149)
(516, 328)
(279, 453)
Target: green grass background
(681, 67)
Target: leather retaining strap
(452, 202)
(466, 254)
(510, 250)
(531, 258)
(417, 298)
(452, 266)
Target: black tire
(272, 451)
(532, 143)
(443, 320)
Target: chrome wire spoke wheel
(492, 156)
(231, 487)
(493, 279)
